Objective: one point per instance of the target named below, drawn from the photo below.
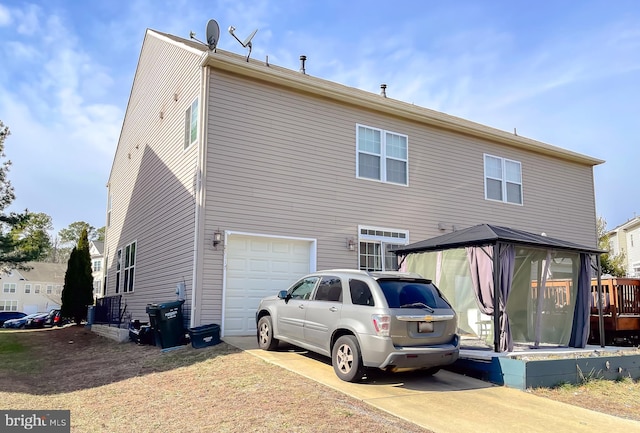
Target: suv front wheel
(265, 334)
(346, 359)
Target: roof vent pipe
(302, 60)
(383, 90)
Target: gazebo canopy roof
(487, 234)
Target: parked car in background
(8, 315)
(54, 318)
(36, 321)
(385, 320)
(21, 322)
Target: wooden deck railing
(620, 307)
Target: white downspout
(198, 243)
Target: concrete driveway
(447, 402)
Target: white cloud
(5, 16)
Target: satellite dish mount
(213, 35)
(247, 42)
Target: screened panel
(369, 166)
(494, 189)
(514, 193)
(396, 171)
(542, 299)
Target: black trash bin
(167, 323)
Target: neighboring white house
(96, 250)
(625, 239)
(235, 177)
(36, 290)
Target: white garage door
(259, 267)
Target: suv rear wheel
(346, 359)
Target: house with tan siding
(625, 239)
(38, 288)
(235, 177)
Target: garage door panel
(259, 267)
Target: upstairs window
(191, 124)
(9, 288)
(382, 155)
(502, 180)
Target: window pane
(368, 140)
(370, 257)
(127, 253)
(512, 171)
(396, 171)
(133, 254)
(514, 193)
(369, 166)
(396, 146)
(493, 167)
(187, 128)
(194, 121)
(360, 293)
(494, 189)
(131, 271)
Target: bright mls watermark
(49, 421)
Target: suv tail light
(381, 323)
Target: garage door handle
(333, 309)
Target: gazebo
(511, 287)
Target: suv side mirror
(282, 294)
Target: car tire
(347, 359)
(265, 334)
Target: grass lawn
(130, 388)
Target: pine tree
(77, 293)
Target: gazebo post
(496, 297)
(600, 314)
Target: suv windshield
(412, 294)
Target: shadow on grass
(60, 360)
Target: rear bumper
(381, 353)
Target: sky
(563, 72)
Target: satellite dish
(247, 42)
(213, 34)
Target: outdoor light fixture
(217, 238)
(351, 244)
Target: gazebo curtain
(580, 330)
(481, 263)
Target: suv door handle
(301, 306)
(333, 309)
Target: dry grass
(125, 387)
(619, 398)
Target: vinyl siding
(152, 178)
(283, 162)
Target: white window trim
(125, 268)
(118, 270)
(503, 180)
(6, 288)
(383, 155)
(381, 239)
(27, 289)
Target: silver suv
(386, 320)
